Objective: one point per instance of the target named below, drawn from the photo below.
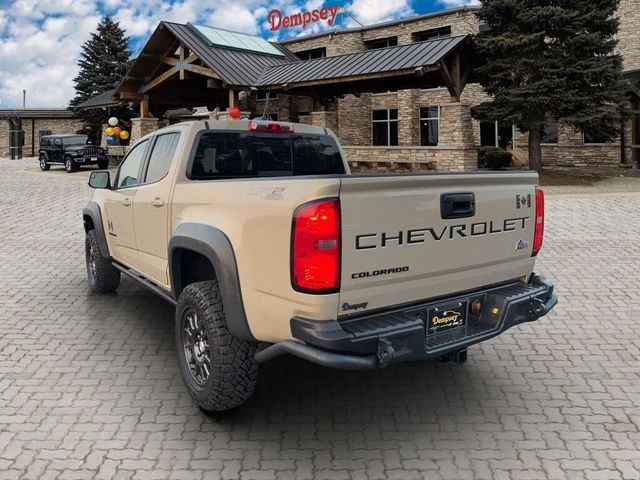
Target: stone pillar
(456, 127)
(325, 118)
(103, 136)
(141, 126)
(408, 118)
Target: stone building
(390, 114)
(34, 122)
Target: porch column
(325, 118)
(141, 126)
(408, 118)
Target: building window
(382, 43)
(429, 126)
(432, 34)
(313, 53)
(496, 134)
(593, 135)
(384, 127)
(263, 95)
(550, 131)
(44, 133)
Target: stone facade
(629, 33)
(34, 128)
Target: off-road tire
(103, 164)
(103, 277)
(44, 166)
(70, 165)
(233, 369)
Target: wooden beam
(159, 80)
(171, 61)
(130, 96)
(449, 81)
(207, 72)
(181, 54)
(192, 58)
(233, 98)
(144, 107)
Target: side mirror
(100, 179)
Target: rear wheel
(70, 165)
(218, 369)
(103, 277)
(44, 166)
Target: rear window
(246, 155)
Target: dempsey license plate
(94, 159)
(446, 317)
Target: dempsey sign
(277, 20)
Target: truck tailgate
(397, 248)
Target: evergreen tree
(551, 60)
(104, 60)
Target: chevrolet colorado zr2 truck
(266, 244)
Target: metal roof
(104, 99)
(391, 59)
(235, 67)
(36, 113)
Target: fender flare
(213, 244)
(92, 210)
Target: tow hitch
(457, 356)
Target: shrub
(493, 158)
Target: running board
(146, 283)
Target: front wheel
(44, 166)
(70, 165)
(103, 277)
(218, 369)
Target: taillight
(315, 247)
(538, 233)
(261, 126)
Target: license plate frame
(93, 159)
(446, 317)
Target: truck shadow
(295, 395)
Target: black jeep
(72, 151)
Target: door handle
(157, 202)
(457, 205)
(126, 201)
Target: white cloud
(368, 12)
(458, 3)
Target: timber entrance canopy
(193, 65)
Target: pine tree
(104, 60)
(551, 60)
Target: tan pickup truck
(266, 244)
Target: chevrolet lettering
(266, 244)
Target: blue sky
(40, 40)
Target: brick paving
(90, 388)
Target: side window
(161, 156)
(128, 173)
(43, 142)
(57, 142)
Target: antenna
(266, 105)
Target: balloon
(111, 140)
(110, 131)
(116, 131)
(124, 135)
(113, 121)
(234, 113)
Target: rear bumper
(374, 341)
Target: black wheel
(218, 369)
(70, 165)
(44, 166)
(103, 164)
(103, 277)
